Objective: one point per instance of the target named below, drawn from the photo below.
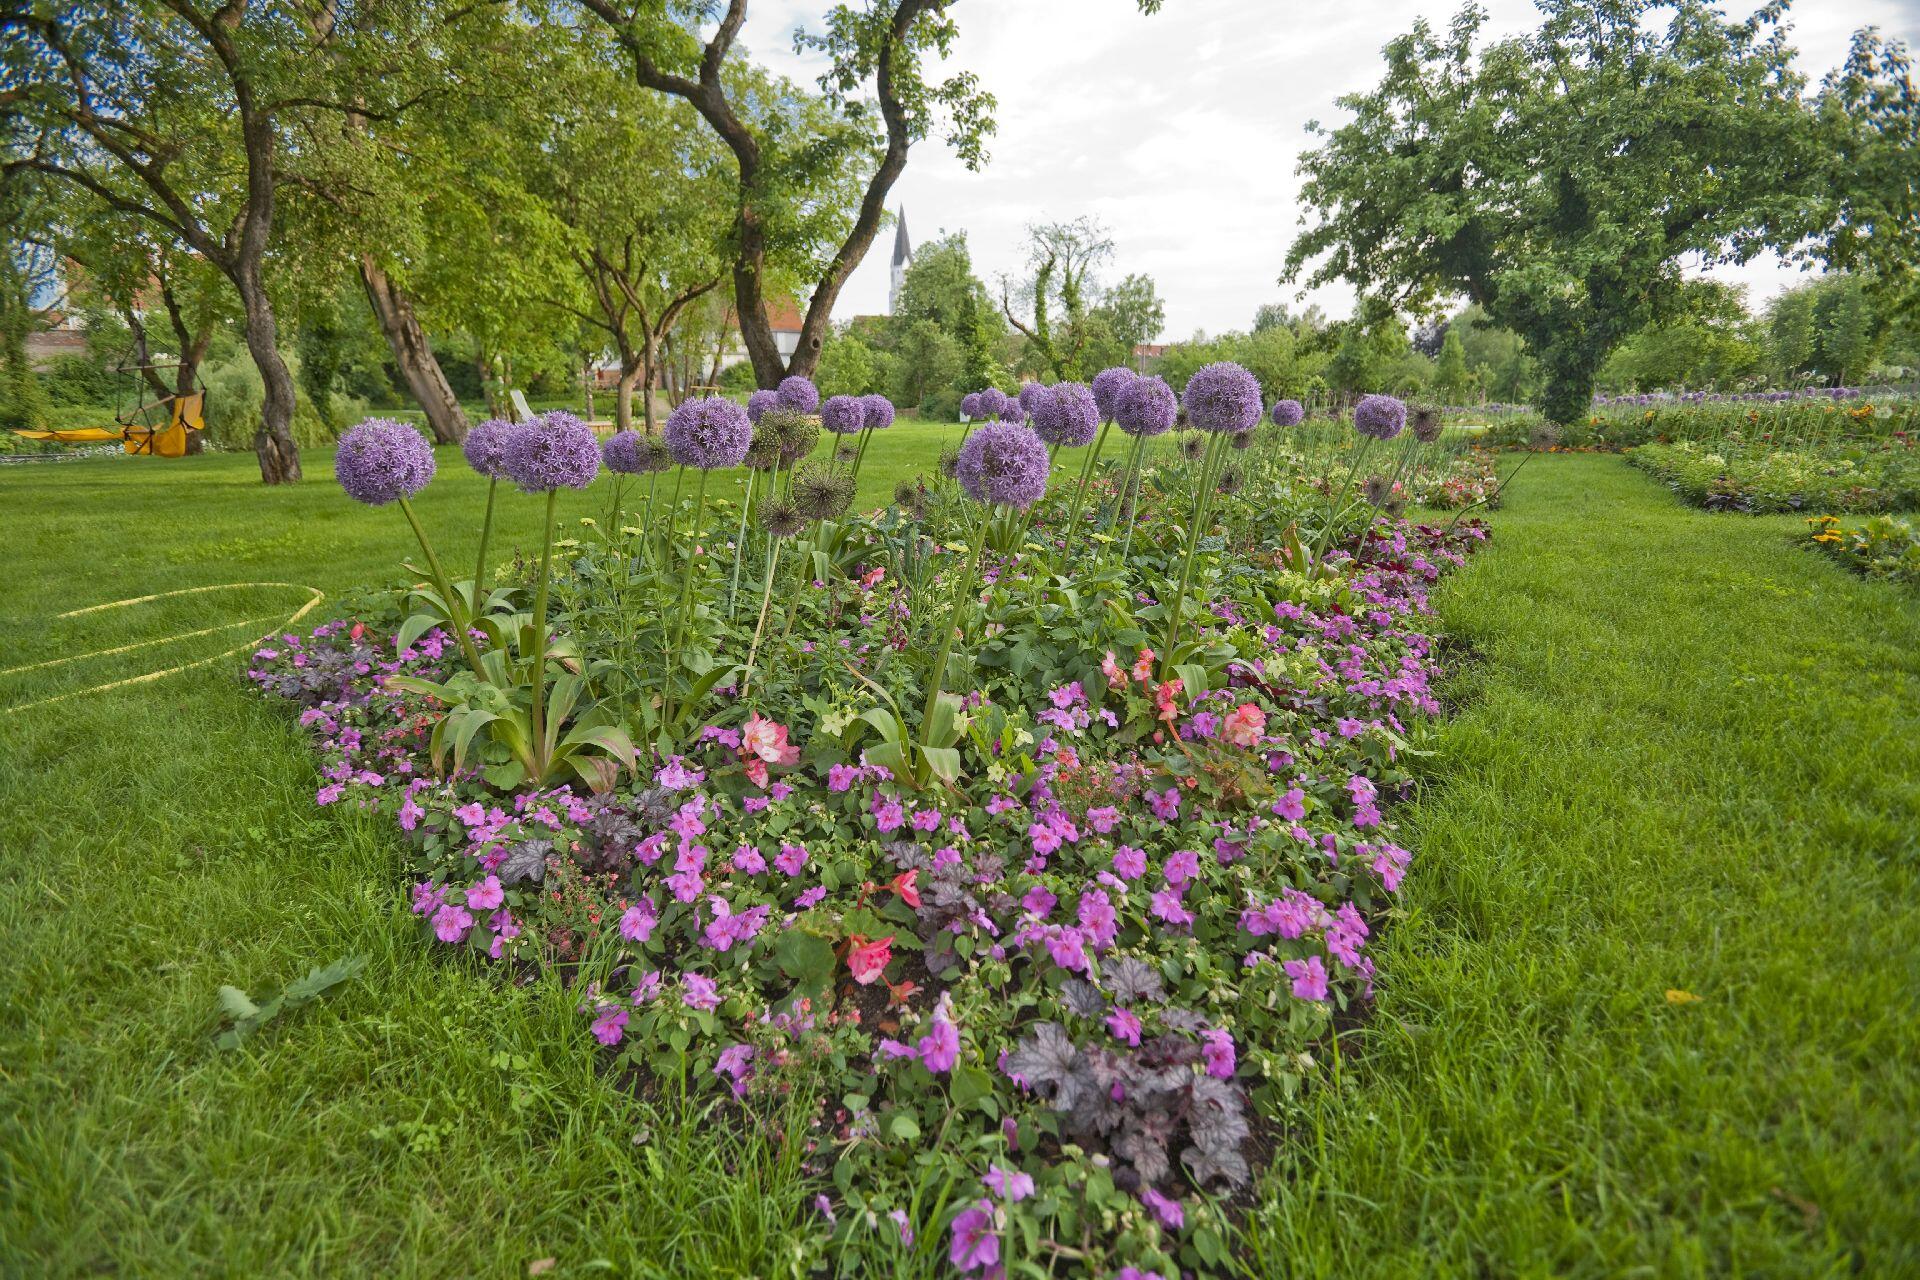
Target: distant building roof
(784, 315)
(45, 347)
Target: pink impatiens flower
(610, 1024)
(450, 923)
(1010, 1184)
(1244, 725)
(1309, 978)
(487, 894)
(868, 960)
(637, 922)
(975, 1247)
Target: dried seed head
(781, 518)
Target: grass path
(1689, 761)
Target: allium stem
(759, 628)
(1080, 494)
(457, 612)
(960, 602)
(486, 536)
(1130, 493)
(686, 576)
(540, 646)
(1201, 510)
(740, 545)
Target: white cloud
(1181, 131)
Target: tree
(1063, 256)
(1451, 379)
(780, 159)
(1559, 178)
(941, 289)
(22, 402)
(1870, 129)
(1711, 344)
(637, 187)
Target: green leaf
(807, 958)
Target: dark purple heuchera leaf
(1143, 1141)
(608, 837)
(1083, 999)
(1131, 980)
(1226, 1165)
(526, 860)
(1183, 1020)
(1044, 1057)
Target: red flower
(868, 960)
(903, 884)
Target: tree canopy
(1561, 178)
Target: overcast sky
(1180, 131)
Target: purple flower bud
(381, 460)
(555, 450)
(486, 444)
(631, 454)
(799, 394)
(1071, 416)
(1003, 465)
(1381, 417)
(761, 401)
(879, 412)
(843, 415)
(1107, 386)
(1288, 413)
(711, 433)
(1223, 396)
(1147, 407)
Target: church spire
(902, 255)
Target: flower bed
(1733, 475)
(1882, 547)
(1034, 965)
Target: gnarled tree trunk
(413, 354)
(273, 438)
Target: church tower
(902, 255)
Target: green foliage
(22, 402)
(1452, 381)
(1559, 178)
(247, 1017)
(1869, 112)
(1712, 344)
(1881, 547)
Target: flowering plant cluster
(1736, 474)
(1040, 965)
(1788, 420)
(1881, 547)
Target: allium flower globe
(1146, 407)
(879, 411)
(843, 415)
(1223, 396)
(993, 403)
(1381, 417)
(1031, 394)
(759, 402)
(970, 405)
(1426, 424)
(623, 453)
(486, 445)
(382, 461)
(1288, 413)
(799, 394)
(556, 450)
(1107, 386)
(1071, 417)
(1003, 465)
(710, 433)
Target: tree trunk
(649, 365)
(484, 368)
(630, 371)
(413, 354)
(273, 439)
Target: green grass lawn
(1686, 761)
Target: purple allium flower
(623, 453)
(761, 401)
(1031, 394)
(1288, 413)
(994, 402)
(486, 444)
(710, 433)
(382, 460)
(1147, 407)
(970, 405)
(1072, 418)
(1223, 396)
(843, 415)
(799, 394)
(553, 451)
(1381, 417)
(1036, 403)
(1003, 465)
(879, 412)
(1107, 386)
